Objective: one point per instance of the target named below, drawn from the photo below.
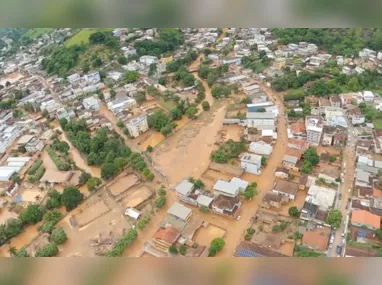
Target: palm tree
(12, 251)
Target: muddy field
(47, 161)
(204, 235)
(153, 138)
(137, 197)
(232, 132)
(122, 184)
(90, 213)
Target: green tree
(162, 81)
(166, 130)
(52, 216)
(12, 251)
(93, 182)
(306, 167)
(311, 155)
(334, 218)
(22, 253)
(378, 234)
(332, 158)
(97, 62)
(84, 177)
(158, 120)
(173, 250)
(140, 97)
(85, 68)
(293, 212)
(16, 179)
(205, 105)
(48, 250)
(122, 60)
(183, 249)
(58, 236)
(249, 193)
(31, 215)
(108, 170)
(176, 114)
(191, 112)
(113, 93)
(263, 161)
(131, 76)
(71, 197)
(199, 184)
(120, 124)
(216, 245)
(203, 209)
(160, 202)
(46, 227)
(54, 199)
(149, 148)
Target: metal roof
(185, 187)
(179, 211)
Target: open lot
(137, 196)
(206, 233)
(232, 132)
(122, 184)
(82, 37)
(377, 124)
(90, 213)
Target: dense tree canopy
(71, 197)
(334, 218)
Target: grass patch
(82, 37)
(36, 32)
(168, 105)
(377, 123)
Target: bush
(52, 216)
(203, 209)
(216, 245)
(84, 177)
(22, 253)
(58, 236)
(34, 167)
(48, 250)
(205, 105)
(124, 242)
(31, 215)
(293, 212)
(143, 222)
(93, 183)
(63, 166)
(159, 203)
(37, 175)
(183, 249)
(54, 199)
(46, 227)
(172, 249)
(149, 148)
(228, 150)
(71, 197)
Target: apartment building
(137, 125)
(314, 127)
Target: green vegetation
(378, 234)
(83, 37)
(161, 200)
(216, 245)
(334, 218)
(54, 199)
(280, 227)
(175, 65)
(183, 75)
(203, 209)
(10, 229)
(191, 112)
(211, 74)
(31, 215)
(169, 40)
(131, 76)
(143, 222)
(34, 167)
(305, 253)
(293, 212)
(228, 150)
(368, 111)
(172, 249)
(58, 236)
(205, 106)
(37, 175)
(160, 122)
(249, 233)
(63, 166)
(251, 191)
(256, 63)
(48, 250)
(311, 158)
(124, 242)
(93, 183)
(71, 197)
(229, 47)
(219, 91)
(377, 124)
(183, 249)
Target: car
(344, 164)
(339, 249)
(349, 191)
(331, 245)
(343, 235)
(238, 218)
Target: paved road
(349, 159)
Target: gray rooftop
(225, 187)
(289, 158)
(179, 211)
(260, 115)
(185, 187)
(204, 200)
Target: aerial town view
(192, 142)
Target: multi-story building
(137, 125)
(34, 145)
(314, 126)
(7, 136)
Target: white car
(343, 235)
(331, 245)
(238, 218)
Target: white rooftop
(321, 196)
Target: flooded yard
(121, 184)
(232, 132)
(153, 139)
(90, 213)
(205, 234)
(137, 197)
(47, 161)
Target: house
(251, 163)
(363, 218)
(298, 144)
(137, 125)
(274, 200)
(331, 111)
(357, 119)
(231, 60)
(91, 103)
(256, 107)
(282, 172)
(314, 128)
(303, 181)
(148, 60)
(360, 251)
(298, 130)
(286, 188)
(368, 96)
(121, 103)
(92, 78)
(376, 206)
(291, 157)
(328, 134)
(248, 249)
(335, 100)
(363, 178)
(225, 188)
(317, 240)
(165, 237)
(346, 99)
(242, 184)
(34, 145)
(7, 136)
(261, 120)
(320, 196)
(179, 211)
(184, 190)
(65, 113)
(261, 148)
(224, 205)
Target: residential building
(34, 145)
(291, 157)
(314, 128)
(184, 190)
(285, 188)
(251, 163)
(335, 100)
(320, 196)
(165, 237)
(328, 134)
(242, 184)
(317, 240)
(92, 78)
(298, 144)
(273, 200)
(225, 188)
(363, 218)
(91, 103)
(282, 172)
(377, 138)
(137, 125)
(261, 120)
(368, 96)
(261, 148)
(121, 103)
(7, 136)
(148, 60)
(225, 205)
(248, 249)
(65, 113)
(179, 211)
(376, 206)
(357, 119)
(298, 130)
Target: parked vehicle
(339, 249)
